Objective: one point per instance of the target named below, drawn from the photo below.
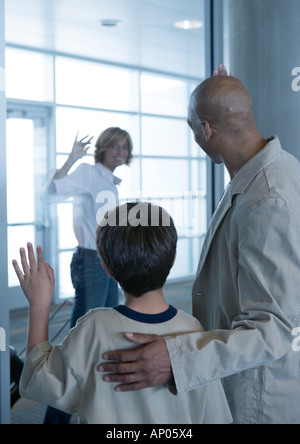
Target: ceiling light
(188, 24)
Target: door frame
(32, 110)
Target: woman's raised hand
(222, 71)
(80, 147)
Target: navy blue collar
(147, 318)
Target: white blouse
(94, 192)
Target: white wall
(264, 47)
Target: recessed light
(110, 23)
(188, 24)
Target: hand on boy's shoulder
(146, 366)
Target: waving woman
(93, 287)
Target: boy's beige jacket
(66, 376)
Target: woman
(93, 287)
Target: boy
(137, 247)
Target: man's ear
(105, 268)
(207, 130)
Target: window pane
(196, 214)
(198, 175)
(29, 75)
(131, 185)
(164, 137)
(162, 95)
(94, 85)
(161, 176)
(196, 151)
(17, 237)
(188, 211)
(66, 237)
(66, 289)
(182, 262)
(69, 121)
(197, 247)
(20, 171)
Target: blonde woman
(112, 149)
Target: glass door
(27, 152)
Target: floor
(27, 412)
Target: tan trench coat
(247, 295)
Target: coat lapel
(221, 211)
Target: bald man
(247, 289)
(220, 115)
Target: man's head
(136, 243)
(220, 109)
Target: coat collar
(256, 164)
(238, 186)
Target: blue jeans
(93, 289)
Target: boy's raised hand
(37, 282)
(36, 277)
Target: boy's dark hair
(137, 242)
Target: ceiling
(145, 37)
